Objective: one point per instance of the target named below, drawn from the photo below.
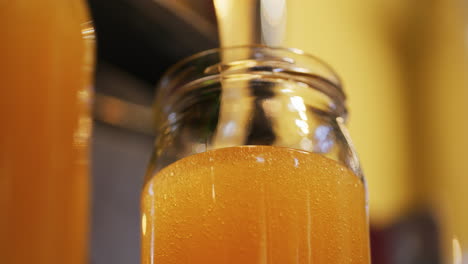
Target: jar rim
(210, 64)
(333, 78)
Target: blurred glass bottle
(47, 52)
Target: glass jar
(253, 164)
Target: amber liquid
(255, 204)
(45, 70)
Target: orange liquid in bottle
(46, 52)
(255, 204)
